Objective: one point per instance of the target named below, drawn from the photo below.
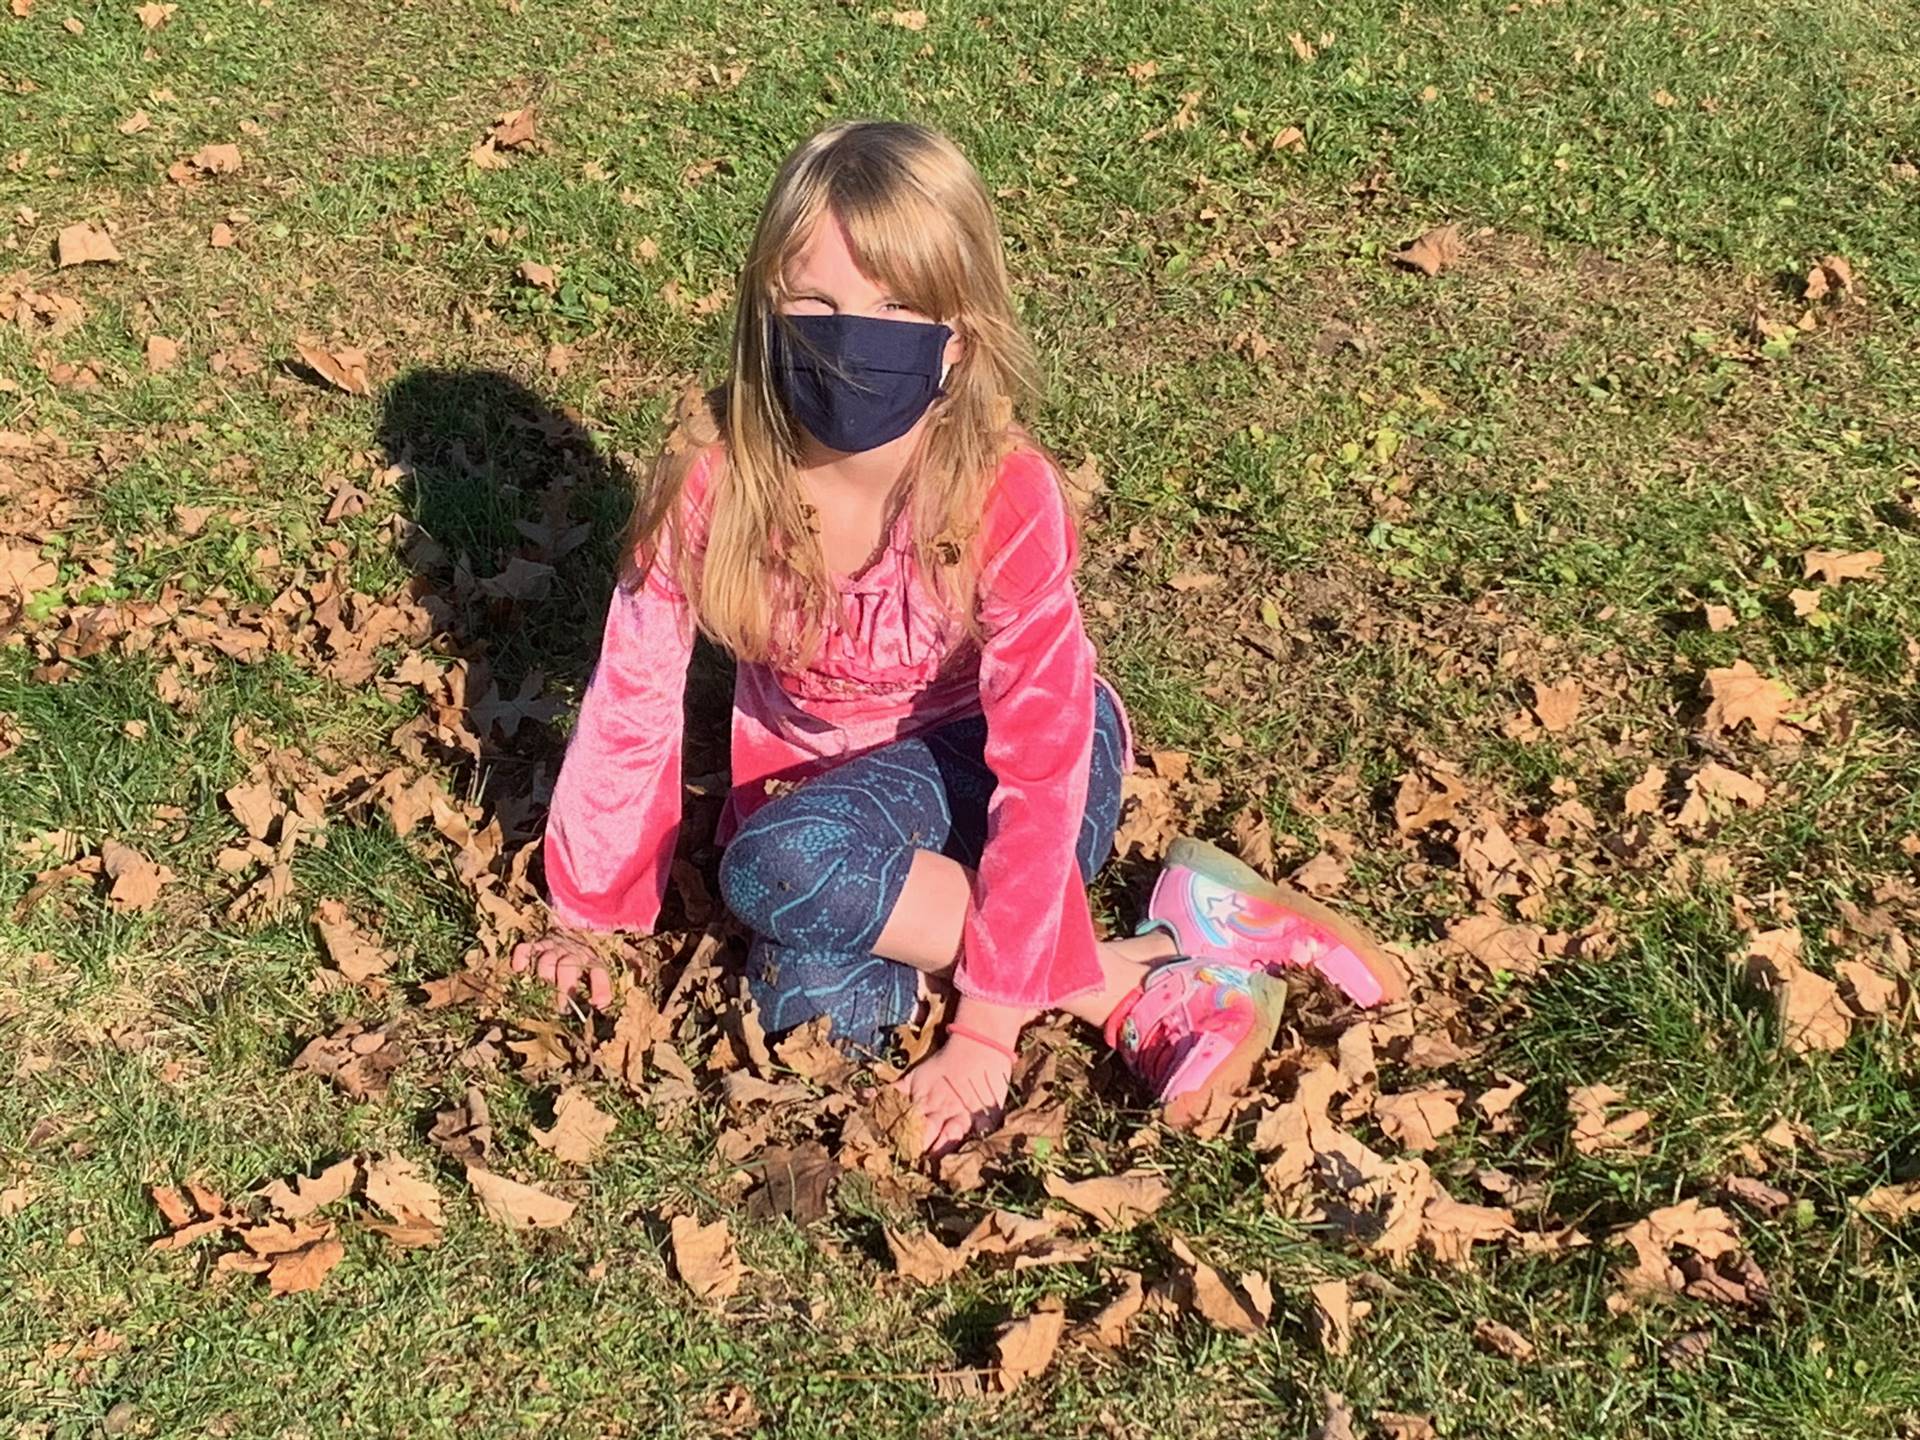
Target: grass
(1419, 496)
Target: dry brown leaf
(1394, 1425)
(1867, 990)
(23, 573)
(162, 354)
(354, 954)
(1714, 791)
(1496, 1100)
(541, 277)
(216, 159)
(1833, 566)
(520, 1207)
(704, 1258)
(1190, 580)
(1763, 1197)
(915, 20)
(1500, 945)
(1451, 1229)
(153, 16)
(1338, 1424)
(923, 1258)
(85, 244)
(403, 1190)
(1503, 1340)
(1648, 792)
(1026, 1347)
(580, 1128)
(1892, 1203)
(1437, 250)
(342, 367)
(309, 1193)
(1427, 797)
(1335, 1312)
(306, 1268)
(137, 881)
(1323, 875)
(1593, 1132)
(1557, 706)
(896, 1120)
(1739, 695)
(1719, 618)
(1807, 1005)
(796, 1182)
(1116, 1202)
(1416, 1119)
(810, 1053)
(1212, 1298)
(1110, 1322)
(464, 1130)
(1706, 1230)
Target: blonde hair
(918, 220)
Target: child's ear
(955, 352)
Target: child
(926, 769)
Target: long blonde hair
(918, 220)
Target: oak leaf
(353, 953)
(1833, 566)
(1026, 1347)
(85, 244)
(1115, 1202)
(342, 367)
(923, 1258)
(520, 1207)
(1418, 1118)
(580, 1128)
(1557, 706)
(403, 1190)
(1437, 250)
(1739, 694)
(1807, 1005)
(308, 1193)
(1593, 1131)
(704, 1258)
(137, 881)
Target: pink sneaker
(1196, 1030)
(1217, 908)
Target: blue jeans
(816, 872)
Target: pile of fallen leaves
(794, 1121)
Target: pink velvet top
(895, 663)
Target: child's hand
(959, 1089)
(560, 958)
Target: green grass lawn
(1350, 517)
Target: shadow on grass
(514, 513)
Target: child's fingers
(565, 976)
(522, 956)
(599, 987)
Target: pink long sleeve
(1029, 937)
(615, 817)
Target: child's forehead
(824, 256)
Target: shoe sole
(1234, 1072)
(1216, 864)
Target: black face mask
(853, 381)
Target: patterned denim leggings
(816, 873)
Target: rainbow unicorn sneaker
(1196, 1030)
(1217, 908)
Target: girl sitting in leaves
(926, 767)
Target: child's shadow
(512, 517)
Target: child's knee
(768, 865)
